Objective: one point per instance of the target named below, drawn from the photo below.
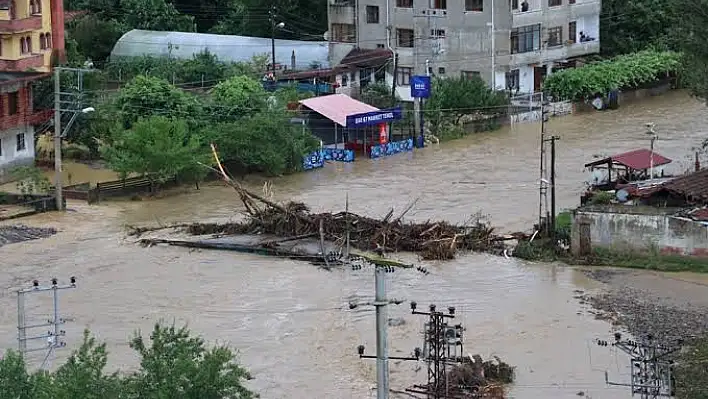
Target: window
(343, 33)
(23, 45)
(441, 70)
(372, 14)
(474, 5)
(42, 41)
(29, 44)
(438, 4)
(12, 103)
(380, 45)
(555, 36)
(33, 7)
(525, 39)
(571, 1)
(572, 31)
(21, 144)
(48, 40)
(404, 3)
(514, 4)
(470, 74)
(403, 77)
(437, 33)
(404, 37)
(345, 79)
(512, 80)
(555, 3)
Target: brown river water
(290, 321)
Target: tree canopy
(173, 364)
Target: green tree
(378, 95)
(456, 97)
(95, 37)
(239, 96)
(693, 33)
(145, 96)
(177, 365)
(174, 364)
(692, 371)
(155, 15)
(290, 94)
(628, 26)
(158, 148)
(265, 142)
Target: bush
(601, 198)
(623, 72)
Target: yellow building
(31, 40)
(26, 39)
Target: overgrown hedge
(623, 72)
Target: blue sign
(374, 117)
(420, 86)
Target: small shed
(626, 167)
(229, 48)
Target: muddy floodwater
(291, 322)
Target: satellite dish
(326, 36)
(622, 195)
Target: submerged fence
(116, 188)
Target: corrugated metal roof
(637, 159)
(336, 107)
(693, 186)
(185, 45)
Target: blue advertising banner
(420, 86)
(374, 117)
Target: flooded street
(290, 321)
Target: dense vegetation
(621, 72)
(629, 26)
(173, 364)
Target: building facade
(31, 40)
(512, 44)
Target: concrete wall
(639, 229)
(10, 157)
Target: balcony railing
(33, 61)
(34, 22)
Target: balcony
(584, 9)
(34, 61)
(525, 18)
(566, 51)
(34, 22)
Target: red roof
(637, 159)
(336, 107)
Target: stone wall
(639, 229)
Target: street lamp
(274, 26)
(650, 131)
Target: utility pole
(543, 181)
(52, 336)
(393, 90)
(382, 358)
(271, 14)
(75, 109)
(651, 375)
(552, 219)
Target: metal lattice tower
(54, 334)
(442, 348)
(651, 376)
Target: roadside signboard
(420, 86)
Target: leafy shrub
(31, 180)
(601, 198)
(622, 72)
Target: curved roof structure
(184, 45)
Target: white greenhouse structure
(184, 45)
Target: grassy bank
(543, 251)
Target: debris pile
(294, 220)
(476, 377)
(20, 233)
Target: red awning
(637, 160)
(336, 107)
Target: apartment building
(31, 39)
(512, 44)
